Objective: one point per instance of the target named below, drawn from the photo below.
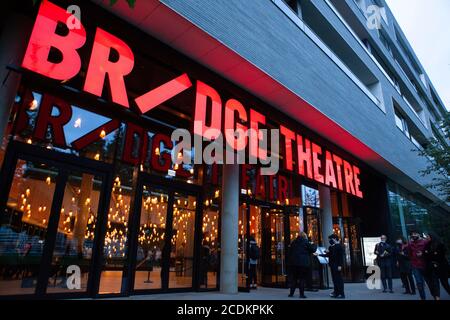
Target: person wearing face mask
(416, 252)
(383, 251)
(335, 253)
(404, 266)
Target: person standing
(436, 265)
(384, 252)
(335, 253)
(205, 258)
(300, 252)
(404, 266)
(254, 253)
(416, 249)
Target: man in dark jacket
(335, 253)
(384, 253)
(299, 262)
(404, 266)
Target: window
(294, 5)
(416, 142)
(400, 122)
(385, 42)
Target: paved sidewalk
(354, 291)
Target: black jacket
(384, 254)
(402, 258)
(336, 255)
(435, 256)
(300, 252)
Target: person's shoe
(413, 293)
(341, 296)
(391, 291)
(303, 297)
(290, 295)
(384, 291)
(333, 295)
(407, 292)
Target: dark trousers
(386, 274)
(299, 276)
(408, 282)
(338, 281)
(252, 273)
(432, 280)
(443, 276)
(419, 276)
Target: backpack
(254, 252)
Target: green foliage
(438, 153)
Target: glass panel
(75, 236)
(151, 239)
(294, 226)
(242, 247)
(346, 243)
(209, 256)
(273, 249)
(116, 242)
(183, 239)
(255, 233)
(23, 226)
(312, 225)
(314, 235)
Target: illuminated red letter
(56, 123)
(96, 135)
(100, 65)
(304, 156)
(260, 185)
(316, 151)
(133, 150)
(330, 177)
(282, 188)
(256, 119)
(164, 92)
(348, 174)
(232, 106)
(288, 137)
(357, 182)
(164, 156)
(338, 162)
(200, 128)
(271, 191)
(43, 38)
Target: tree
(437, 151)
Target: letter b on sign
(44, 38)
(74, 280)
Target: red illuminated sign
(302, 156)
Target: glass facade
(409, 212)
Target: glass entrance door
(273, 247)
(166, 240)
(49, 235)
